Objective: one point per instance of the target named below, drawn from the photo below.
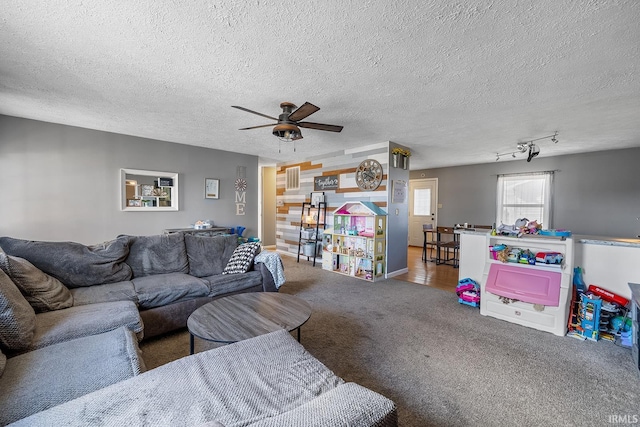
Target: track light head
(533, 151)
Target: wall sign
(399, 194)
(326, 182)
(241, 189)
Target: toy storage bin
(543, 293)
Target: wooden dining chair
(450, 242)
(430, 241)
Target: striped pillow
(242, 258)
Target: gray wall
(268, 206)
(62, 183)
(397, 224)
(594, 193)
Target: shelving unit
(312, 223)
(356, 244)
(542, 292)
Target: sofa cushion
(163, 289)
(3, 362)
(236, 384)
(61, 372)
(74, 264)
(348, 404)
(79, 321)
(120, 291)
(229, 283)
(242, 258)
(44, 293)
(209, 255)
(159, 254)
(17, 317)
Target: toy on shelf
(468, 291)
(549, 257)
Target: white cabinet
(537, 296)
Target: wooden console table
(214, 231)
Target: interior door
(423, 202)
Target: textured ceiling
(454, 81)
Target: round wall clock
(369, 175)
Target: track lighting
(528, 146)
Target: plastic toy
(531, 227)
(561, 233)
(549, 257)
(607, 295)
(590, 316)
(578, 281)
(514, 255)
(527, 257)
(468, 291)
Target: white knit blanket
(273, 262)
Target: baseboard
(397, 272)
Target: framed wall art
(317, 197)
(211, 188)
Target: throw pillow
(17, 318)
(242, 258)
(44, 293)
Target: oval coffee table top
(242, 316)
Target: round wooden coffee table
(242, 316)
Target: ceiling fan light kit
(287, 132)
(533, 149)
(288, 127)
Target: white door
(423, 202)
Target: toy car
(549, 257)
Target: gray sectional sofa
(165, 276)
(267, 381)
(71, 317)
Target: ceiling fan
(289, 124)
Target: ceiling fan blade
(305, 110)
(256, 127)
(254, 112)
(320, 126)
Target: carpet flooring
(443, 363)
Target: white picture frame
(317, 197)
(211, 188)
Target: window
(422, 202)
(525, 196)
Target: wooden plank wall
(343, 164)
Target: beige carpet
(443, 363)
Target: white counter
(608, 262)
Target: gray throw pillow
(44, 293)
(242, 258)
(209, 255)
(17, 318)
(74, 264)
